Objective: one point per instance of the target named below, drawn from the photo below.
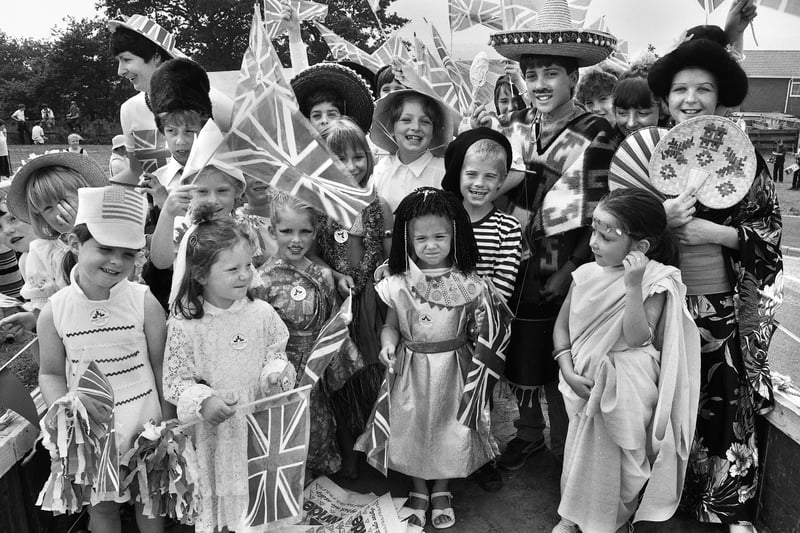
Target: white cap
(114, 215)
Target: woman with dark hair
(732, 288)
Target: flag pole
(377, 19)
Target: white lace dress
(228, 353)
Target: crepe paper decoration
(163, 471)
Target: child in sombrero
(553, 197)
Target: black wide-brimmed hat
(353, 90)
(554, 34)
(703, 54)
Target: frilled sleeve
(42, 280)
(758, 271)
(180, 370)
(276, 336)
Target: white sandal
(447, 511)
(565, 527)
(419, 514)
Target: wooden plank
(17, 439)
(786, 414)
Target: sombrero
(381, 132)
(149, 29)
(554, 34)
(17, 198)
(362, 70)
(352, 88)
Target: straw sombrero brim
(588, 47)
(382, 122)
(352, 88)
(112, 25)
(84, 165)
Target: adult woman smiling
(732, 268)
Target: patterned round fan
(711, 154)
(629, 166)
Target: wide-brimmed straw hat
(82, 164)
(353, 90)
(382, 128)
(148, 28)
(554, 34)
(707, 55)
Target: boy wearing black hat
(560, 172)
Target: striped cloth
(499, 239)
(10, 277)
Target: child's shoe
(564, 526)
(517, 452)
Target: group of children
(243, 277)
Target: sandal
(446, 512)
(565, 527)
(419, 514)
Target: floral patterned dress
(305, 300)
(736, 329)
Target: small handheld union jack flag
(489, 360)
(329, 342)
(273, 14)
(375, 439)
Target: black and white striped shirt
(499, 239)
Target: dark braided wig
(429, 201)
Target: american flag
(277, 445)
(273, 14)
(93, 386)
(373, 442)
(123, 204)
(271, 141)
(489, 360)
(329, 342)
(460, 83)
(343, 50)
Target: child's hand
(580, 385)
(480, 318)
(386, 356)
(479, 116)
(634, 263)
(345, 285)
(149, 184)
(178, 201)
(216, 409)
(66, 212)
(12, 323)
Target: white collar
(416, 167)
(172, 168)
(213, 310)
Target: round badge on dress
(340, 236)
(425, 320)
(99, 316)
(298, 293)
(239, 342)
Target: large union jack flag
(343, 50)
(329, 342)
(460, 84)
(375, 439)
(271, 141)
(466, 13)
(519, 14)
(489, 360)
(277, 445)
(306, 10)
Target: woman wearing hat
(732, 290)
(140, 46)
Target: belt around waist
(438, 346)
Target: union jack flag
(391, 48)
(519, 14)
(271, 141)
(373, 442)
(489, 360)
(577, 11)
(792, 7)
(437, 75)
(343, 50)
(93, 387)
(277, 445)
(151, 149)
(466, 13)
(329, 342)
(460, 84)
(710, 5)
(306, 10)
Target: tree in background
(214, 32)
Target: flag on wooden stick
(277, 445)
(329, 342)
(375, 439)
(460, 83)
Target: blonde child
(44, 193)
(74, 144)
(302, 292)
(433, 295)
(415, 129)
(215, 321)
(103, 317)
(629, 356)
(477, 162)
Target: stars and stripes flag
(459, 82)
(328, 343)
(271, 141)
(306, 10)
(489, 360)
(343, 50)
(373, 442)
(277, 446)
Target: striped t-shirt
(499, 239)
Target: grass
(19, 153)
